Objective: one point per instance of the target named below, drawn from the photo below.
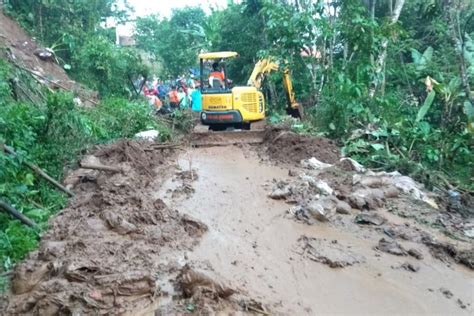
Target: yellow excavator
(224, 106)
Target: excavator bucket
(296, 111)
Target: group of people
(182, 93)
(168, 96)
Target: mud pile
(285, 146)
(114, 249)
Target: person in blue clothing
(163, 90)
(196, 99)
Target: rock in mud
(343, 208)
(292, 173)
(447, 252)
(352, 165)
(301, 214)
(394, 179)
(461, 304)
(469, 232)
(45, 54)
(314, 164)
(447, 293)
(323, 187)
(327, 252)
(466, 257)
(196, 284)
(280, 193)
(369, 219)
(322, 209)
(193, 227)
(118, 224)
(462, 204)
(253, 306)
(405, 232)
(415, 253)
(188, 175)
(371, 198)
(410, 267)
(391, 247)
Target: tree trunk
(379, 75)
(372, 17)
(457, 39)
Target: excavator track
(203, 137)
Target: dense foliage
(75, 31)
(52, 136)
(47, 128)
(391, 80)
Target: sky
(164, 7)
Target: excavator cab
(222, 105)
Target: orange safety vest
(173, 95)
(218, 75)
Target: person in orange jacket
(217, 73)
(173, 97)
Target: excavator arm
(266, 66)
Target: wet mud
(245, 230)
(285, 146)
(115, 249)
(299, 267)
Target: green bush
(108, 68)
(118, 118)
(53, 137)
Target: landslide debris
(343, 193)
(285, 146)
(115, 249)
(25, 52)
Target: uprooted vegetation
(49, 120)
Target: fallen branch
(39, 171)
(13, 212)
(100, 167)
(256, 310)
(166, 146)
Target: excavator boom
(266, 66)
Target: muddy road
(252, 242)
(246, 229)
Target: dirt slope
(21, 50)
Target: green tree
(170, 41)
